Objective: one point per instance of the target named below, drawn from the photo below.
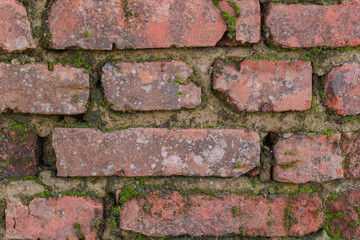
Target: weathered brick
(104, 24)
(17, 154)
(150, 86)
(302, 159)
(264, 85)
(155, 152)
(33, 88)
(197, 215)
(247, 27)
(343, 218)
(307, 214)
(14, 27)
(350, 145)
(314, 25)
(53, 218)
(342, 89)
(174, 214)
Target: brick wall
(172, 119)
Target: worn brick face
(307, 214)
(342, 89)
(49, 218)
(33, 88)
(343, 215)
(150, 86)
(17, 154)
(247, 27)
(162, 215)
(14, 27)
(301, 159)
(350, 147)
(314, 25)
(264, 85)
(143, 24)
(155, 152)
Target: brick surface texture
(17, 154)
(199, 215)
(313, 25)
(343, 215)
(150, 86)
(301, 159)
(342, 89)
(52, 218)
(155, 152)
(177, 119)
(262, 85)
(142, 24)
(33, 88)
(14, 27)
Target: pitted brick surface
(311, 25)
(146, 23)
(306, 214)
(49, 218)
(14, 27)
(150, 86)
(174, 214)
(17, 154)
(302, 159)
(155, 152)
(343, 215)
(342, 89)
(263, 85)
(198, 215)
(33, 88)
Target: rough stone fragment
(302, 159)
(350, 147)
(17, 154)
(264, 85)
(33, 88)
(53, 218)
(343, 218)
(197, 215)
(248, 25)
(155, 152)
(14, 27)
(314, 25)
(104, 24)
(150, 86)
(342, 89)
(307, 214)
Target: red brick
(17, 154)
(104, 24)
(264, 85)
(343, 215)
(306, 214)
(14, 27)
(350, 147)
(197, 215)
(150, 86)
(314, 25)
(342, 89)
(302, 159)
(33, 88)
(155, 152)
(52, 218)
(248, 24)
(174, 214)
